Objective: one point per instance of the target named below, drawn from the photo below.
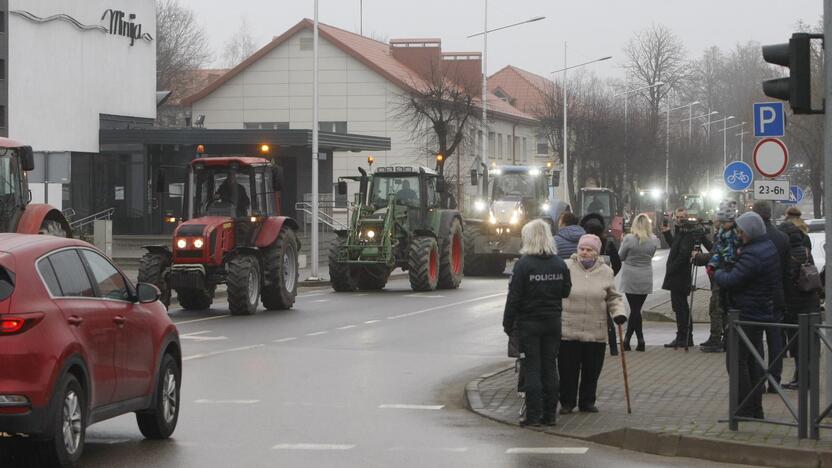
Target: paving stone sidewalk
(675, 396)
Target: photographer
(689, 235)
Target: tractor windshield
(694, 204)
(405, 188)
(597, 203)
(9, 185)
(222, 192)
(514, 184)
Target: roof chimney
(421, 55)
(464, 68)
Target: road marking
(96, 440)
(222, 351)
(370, 322)
(227, 402)
(361, 294)
(411, 314)
(317, 333)
(194, 336)
(322, 300)
(424, 296)
(201, 319)
(313, 447)
(429, 449)
(346, 327)
(415, 407)
(284, 340)
(548, 450)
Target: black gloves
(619, 319)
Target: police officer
(538, 284)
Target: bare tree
(181, 44)
(239, 47)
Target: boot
(675, 344)
(640, 346)
(627, 346)
(711, 341)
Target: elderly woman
(637, 250)
(584, 336)
(538, 284)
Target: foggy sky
(592, 28)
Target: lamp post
(484, 34)
(724, 123)
(315, 203)
(690, 120)
(626, 94)
(742, 134)
(565, 137)
(740, 125)
(667, 147)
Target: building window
(499, 146)
(2, 22)
(266, 125)
(492, 149)
(525, 150)
(2, 69)
(479, 145)
(542, 146)
(306, 43)
(2, 116)
(333, 127)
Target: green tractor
(402, 219)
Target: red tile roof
(374, 54)
(526, 89)
(193, 81)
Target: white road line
(284, 340)
(547, 450)
(322, 300)
(313, 447)
(222, 351)
(424, 296)
(95, 440)
(360, 294)
(202, 319)
(346, 327)
(226, 402)
(317, 333)
(370, 322)
(415, 407)
(195, 336)
(477, 299)
(429, 449)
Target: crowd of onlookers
(563, 304)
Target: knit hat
(752, 224)
(726, 212)
(592, 241)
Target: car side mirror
(441, 187)
(342, 187)
(27, 158)
(147, 293)
(474, 177)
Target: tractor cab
(232, 187)
(413, 188)
(604, 202)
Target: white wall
(61, 78)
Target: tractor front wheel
(451, 264)
(243, 282)
(195, 299)
(52, 227)
(423, 264)
(373, 278)
(341, 275)
(280, 262)
(153, 269)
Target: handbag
(808, 278)
(514, 343)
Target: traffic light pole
(827, 181)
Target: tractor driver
(595, 206)
(224, 195)
(406, 194)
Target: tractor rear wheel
(52, 227)
(195, 299)
(243, 282)
(373, 278)
(153, 269)
(280, 262)
(341, 275)
(423, 264)
(452, 261)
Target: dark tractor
(400, 219)
(604, 202)
(16, 213)
(231, 233)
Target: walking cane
(624, 367)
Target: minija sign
(123, 24)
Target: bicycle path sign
(738, 176)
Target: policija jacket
(538, 285)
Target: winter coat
(781, 242)
(797, 301)
(592, 299)
(678, 273)
(751, 283)
(610, 251)
(535, 292)
(637, 273)
(567, 239)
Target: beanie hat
(592, 241)
(726, 212)
(752, 224)
(762, 208)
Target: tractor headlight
(371, 234)
(198, 243)
(545, 207)
(492, 219)
(479, 206)
(181, 243)
(515, 217)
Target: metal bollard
(733, 370)
(810, 364)
(804, 336)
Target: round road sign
(771, 157)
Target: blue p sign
(769, 119)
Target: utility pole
(827, 179)
(315, 204)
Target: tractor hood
(200, 226)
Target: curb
(671, 445)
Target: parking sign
(769, 119)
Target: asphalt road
(348, 380)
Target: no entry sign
(771, 157)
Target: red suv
(79, 344)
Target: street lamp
(742, 132)
(484, 34)
(724, 140)
(565, 137)
(314, 239)
(626, 94)
(667, 146)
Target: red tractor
(231, 233)
(16, 213)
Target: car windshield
(214, 193)
(406, 190)
(520, 185)
(597, 203)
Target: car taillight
(16, 325)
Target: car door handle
(75, 320)
(119, 320)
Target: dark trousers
(774, 340)
(540, 340)
(750, 372)
(634, 323)
(579, 360)
(679, 303)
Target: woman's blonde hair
(537, 239)
(642, 228)
(793, 215)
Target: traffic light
(797, 87)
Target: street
(347, 380)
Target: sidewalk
(677, 400)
